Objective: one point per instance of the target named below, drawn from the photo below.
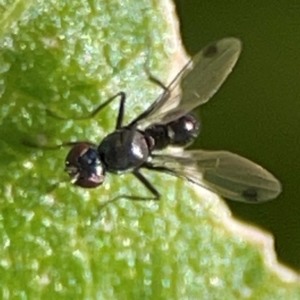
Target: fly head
(84, 166)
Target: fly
(136, 146)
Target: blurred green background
(257, 112)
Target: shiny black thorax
(128, 148)
(124, 149)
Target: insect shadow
(137, 145)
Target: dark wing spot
(250, 195)
(210, 50)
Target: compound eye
(84, 166)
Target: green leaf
(70, 56)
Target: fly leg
(148, 185)
(161, 169)
(119, 122)
(55, 147)
(156, 81)
(160, 101)
(151, 77)
(93, 113)
(156, 195)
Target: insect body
(136, 146)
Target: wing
(225, 173)
(199, 80)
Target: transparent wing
(199, 80)
(225, 173)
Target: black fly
(136, 146)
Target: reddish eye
(84, 166)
